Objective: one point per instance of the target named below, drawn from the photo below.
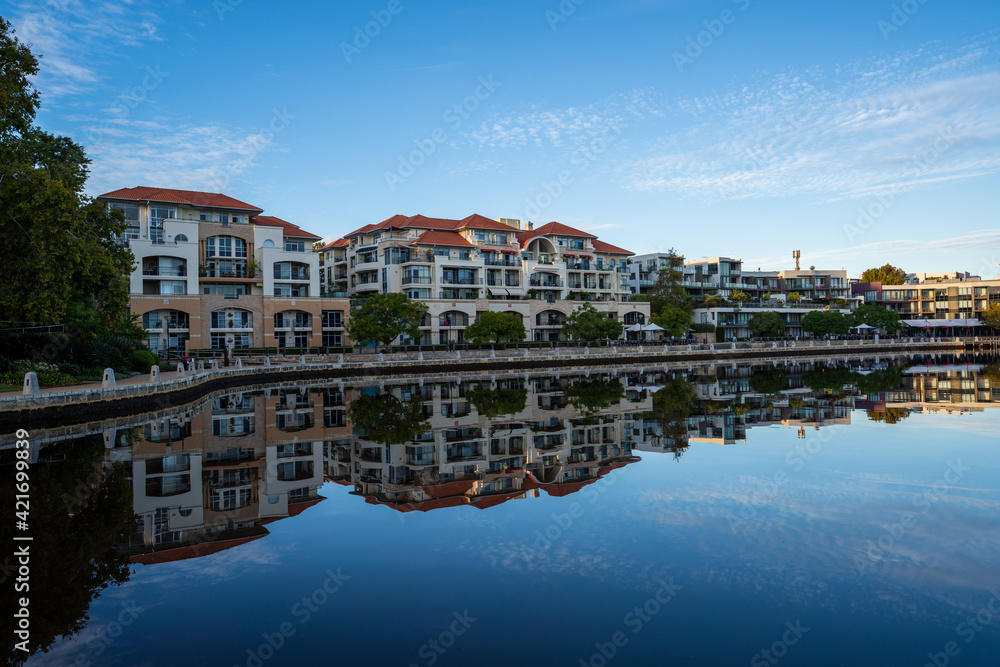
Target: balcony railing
(505, 261)
(454, 280)
(179, 272)
(538, 282)
(291, 275)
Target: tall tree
(495, 327)
(878, 317)
(60, 251)
(886, 274)
(594, 394)
(991, 316)
(675, 320)
(825, 322)
(668, 290)
(766, 324)
(380, 318)
(385, 419)
(589, 324)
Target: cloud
(892, 124)
(71, 39)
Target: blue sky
(858, 132)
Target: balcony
(511, 260)
(551, 283)
(456, 280)
(179, 272)
(302, 274)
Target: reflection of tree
(835, 378)
(768, 380)
(79, 516)
(671, 408)
(992, 373)
(493, 403)
(879, 381)
(590, 396)
(890, 416)
(385, 419)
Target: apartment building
(954, 296)
(721, 276)
(461, 268)
(214, 272)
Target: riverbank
(78, 404)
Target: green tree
(825, 322)
(768, 380)
(668, 290)
(59, 249)
(794, 297)
(766, 324)
(675, 320)
(496, 328)
(385, 419)
(739, 296)
(499, 402)
(671, 407)
(712, 300)
(890, 416)
(81, 514)
(876, 316)
(991, 316)
(593, 395)
(380, 318)
(589, 324)
(886, 274)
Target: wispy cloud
(562, 128)
(71, 38)
(889, 124)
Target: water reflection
(216, 475)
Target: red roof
(443, 238)
(287, 228)
(601, 246)
(474, 221)
(459, 488)
(553, 229)
(566, 488)
(187, 197)
(193, 551)
(339, 243)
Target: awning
(587, 256)
(497, 291)
(547, 268)
(515, 291)
(509, 252)
(566, 254)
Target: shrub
(143, 360)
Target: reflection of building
(212, 478)
(464, 458)
(946, 388)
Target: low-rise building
(954, 296)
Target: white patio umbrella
(863, 326)
(653, 327)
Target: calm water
(806, 514)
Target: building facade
(213, 272)
(933, 297)
(461, 268)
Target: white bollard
(420, 356)
(180, 370)
(108, 381)
(458, 354)
(340, 358)
(214, 365)
(154, 374)
(302, 359)
(239, 362)
(31, 387)
(381, 357)
(267, 361)
(586, 350)
(200, 368)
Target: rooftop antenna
(795, 255)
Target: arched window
(180, 238)
(268, 243)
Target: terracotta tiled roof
(566, 488)
(474, 221)
(443, 238)
(287, 228)
(186, 197)
(601, 246)
(554, 229)
(486, 502)
(339, 243)
(194, 551)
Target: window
(180, 238)
(268, 243)
(295, 246)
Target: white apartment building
(461, 268)
(213, 272)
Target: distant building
(933, 296)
